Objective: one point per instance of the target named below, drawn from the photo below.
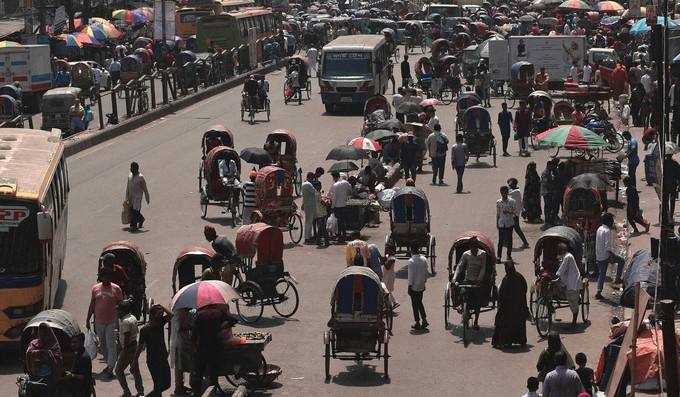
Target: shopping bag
(91, 344)
(126, 215)
(332, 224)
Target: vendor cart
(357, 213)
(242, 361)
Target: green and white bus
(229, 30)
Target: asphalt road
(433, 362)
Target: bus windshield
(20, 250)
(450, 11)
(347, 64)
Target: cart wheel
(298, 181)
(327, 357)
(287, 299)
(533, 303)
(543, 317)
(285, 87)
(386, 359)
(447, 96)
(232, 209)
(534, 142)
(447, 305)
(466, 321)
(309, 90)
(204, 204)
(585, 302)
(269, 110)
(295, 228)
(249, 373)
(553, 151)
(249, 305)
(431, 254)
(615, 141)
(243, 110)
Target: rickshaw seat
(186, 271)
(262, 270)
(357, 297)
(550, 265)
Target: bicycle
(552, 300)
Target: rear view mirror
(44, 226)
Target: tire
(431, 253)
(204, 204)
(585, 303)
(298, 188)
(543, 317)
(553, 151)
(232, 209)
(296, 180)
(386, 360)
(615, 141)
(250, 379)
(534, 142)
(251, 115)
(287, 300)
(295, 228)
(447, 305)
(249, 307)
(447, 96)
(533, 302)
(329, 107)
(327, 359)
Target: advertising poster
(168, 21)
(555, 53)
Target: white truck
(30, 66)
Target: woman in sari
(512, 314)
(532, 194)
(44, 360)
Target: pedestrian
(417, 278)
(548, 193)
(546, 360)
(570, 280)
(375, 260)
(671, 183)
(405, 72)
(44, 359)
(432, 118)
(561, 181)
(63, 77)
(505, 125)
(398, 98)
(562, 381)
(104, 299)
(127, 339)
(206, 344)
(118, 274)
(645, 111)
(223, 246)
(505, 212)
(79, 378)
(513, 312)
(321, 215)
(309, 206)
(632, 156)
(338, 194)
(532, 386)
(312, 54)
(409, 156)
(114, 71)
(532, 193)
(437, 144)
(516, 195)
(249, 198)
(523, 127)
(180, 353)
(604, 253)
(459, 157)
(152, 338)
(389, 274)
(587, 375)
(633, 211)
(136, 190)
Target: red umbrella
(431, 102)
(204, 293)
(366, 144)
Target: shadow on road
(362, 375)
(268, 322)
(480, 337)
(10, 364)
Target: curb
(87, 139)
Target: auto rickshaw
(478, 133)
(216, 135)
(56, 104)
(218, 180)
(146, 57)
(285, 154)
(131, 259)
(521, 82)
(274, 201)
(82, 77)
(189, 266)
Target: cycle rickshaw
(478, 134)
(439, 48)
(216, 135)
(218, 180)
(131, 259)
(82, 77)
(10, 109)
(373, 104)
(146, 57)
(260, 247)
(186, 70)
(361, 315)
(545, 296)
(414, 37)
(257, 104)
(539, 124)
(130, 68)
(410, 220)
(521, 82)
(130, 73)
(424, 72)
(465, 101)
(274, 201)
(287, 155)
(584, 201)
(189, 266)
(562, 113)
(450, 85)
(303, 78)
(456, 297)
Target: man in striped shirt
(249, 200)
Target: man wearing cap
(309, 205)
(127, 339)
(249, 200)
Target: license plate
(346, 99)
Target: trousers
(124, 360)
(417, 304)
(108, 342)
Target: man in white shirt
(562, 381)
(587, 72)
(573, 72)
(312, 53)
(96, 79)
(646, 81)
(505, 212)
(417, 278)
(437, 144)
(604, 253)
(127, 338)
(339, 194)
(570, 280)
(516, 195)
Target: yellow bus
(33, 215)
(185, 20)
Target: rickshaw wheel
(585, 302)
(249, 306)
(145, 309)
(243, 109)
(533, 304)
(250, 379)
(543, 317)
(285, 97)
(232, 209)
(327, 360)
(287, 300)
(510, 97)
(553, 151)
(298, 181)
(239, 205)
(447, 305)
(204, 204)
(447, 96)
(431, 254)
(615, 141)
(295, 228)
(534, 142)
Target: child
(532, 386)
(586, 374)
(633, 206)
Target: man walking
(136, 190)
(459, 157)
(516, 195)
(604, 253)
(548, 194)
(570, 280)
(312, 54)
(632, 156)
(417, 278)
(309, 206)
(339, 193)
(405, 72)
(505, 213)
(562, 381)
(127, 338)
(437, 144)
(523, 127)
(103, 301)
(79, 377)
(505, 125)
(409, 156)
(152, 338)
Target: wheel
(249, 306)
(327, 357)
(543, 317)
(615, 141)
(447, 96)
(251, 114)
(298, 188)
(285, 97)
(466, 321)
(297, 183)
(243, 110)
(386, 360)
(389, 320)
(269, 110)
(204, 204)
(553, 151)
(329, 107)
(431, 254)
(250, 374)
(295, 228)
(585, 302)
(143, 104)
(492, 149)
(232, 208)
(287, 300)
(534, 142)
(533, 301)
(447, 305)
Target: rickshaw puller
(570, 280)
(472, 267)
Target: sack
(332, 224)
(126, 215)
(289, 92)
(515, 137)
(442, 144)
(91, 344)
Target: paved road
(434, 362)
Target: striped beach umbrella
(110, 30)
(71, 40)
(571, 136)
(94, 31)
(578, 5)
(366, 144)
(128, 16)
(145, 12)
(204, 293)
(86, 39)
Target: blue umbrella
(641, 25)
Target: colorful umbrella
(608, 5)
(100, 20)
(203, 293)
(366, 144)
(7, 43)
(70, 40)
(574, 5)
(109, 30)
(86, 39)
(128, 16)
(571, 136)
(94, 31)
(145, 12)
(431, 102)
(641, 25)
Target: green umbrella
(572, 136)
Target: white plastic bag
(332, 224)
(91, 344)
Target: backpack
(442, 144)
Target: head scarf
(47, 344)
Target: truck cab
(607, 59)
